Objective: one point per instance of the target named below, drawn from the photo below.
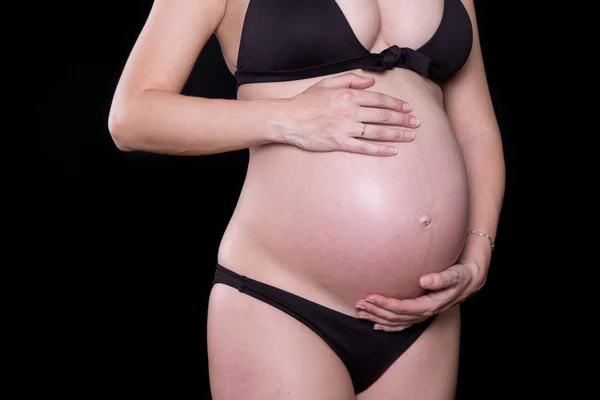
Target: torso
(335, 227)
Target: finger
(386, 117)
(384, 133)
(385, 328)
(352, 145)
(370, 309)
(383, 322)
(442, 280)
(425, 306)
(380, 100)
(346, 81)
(376, 319)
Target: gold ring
(362, 133)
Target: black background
(135, 235)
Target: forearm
(484, 160)
(169, 123)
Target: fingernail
(377, 327)
(409, 135)
(406, 107)
(425, 282)
(392, 150)
(360, 307)
(370, 301)
(414, 121)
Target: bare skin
(323, 213)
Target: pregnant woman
(373, 190)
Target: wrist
(277, 120)
(477, 249)
(483, 234)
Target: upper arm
(168, 46)
(467, 98)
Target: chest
(378, 24)
(375, 24)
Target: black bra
(285, 40)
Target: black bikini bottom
(366, 353)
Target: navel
(425, 220)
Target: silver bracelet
(484, 235)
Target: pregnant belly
(353, 224)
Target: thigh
(428, 370)
(256, 351)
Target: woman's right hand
(331, 114)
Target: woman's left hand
(446, 289)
